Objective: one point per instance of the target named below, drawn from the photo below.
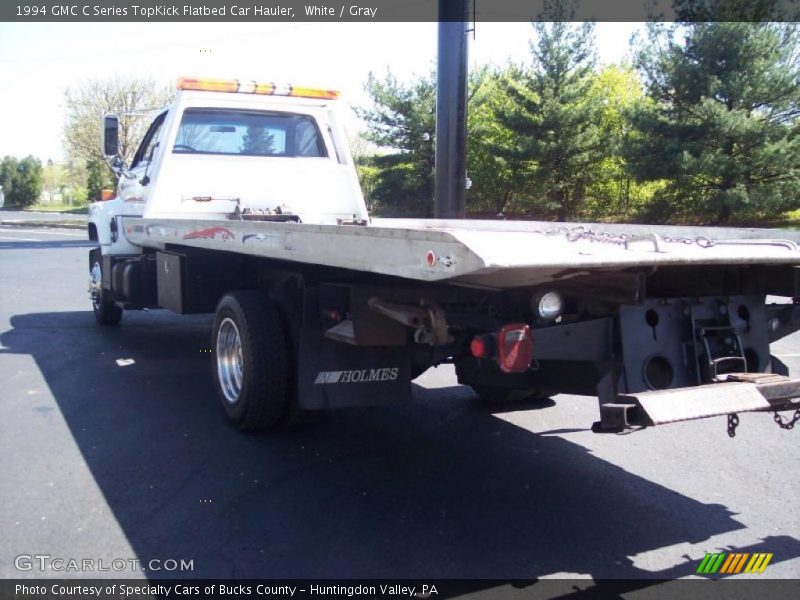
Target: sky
(39, 61)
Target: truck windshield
(247, 133)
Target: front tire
(105, 311)
(250, 361)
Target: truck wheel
(496, 395)
(105, 311)
(250, 363)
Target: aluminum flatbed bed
(499, 254)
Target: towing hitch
(733, 394)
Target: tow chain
(786, 424)
(733, 423)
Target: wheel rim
(96, 285)
(230, 366)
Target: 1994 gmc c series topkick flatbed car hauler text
(243, 200)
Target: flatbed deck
(500, 254)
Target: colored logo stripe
(758, 563)
(711, 563)
(734, 562)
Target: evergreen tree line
(702, 127)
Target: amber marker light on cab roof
(254, 87)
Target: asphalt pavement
(32, 215)
(39, 218)
(115, 447)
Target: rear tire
(105, 311)
(250, 361)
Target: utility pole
(451, 110)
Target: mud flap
(336, 375)
(740, 392)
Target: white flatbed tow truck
(242, 200)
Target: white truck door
(134, 187)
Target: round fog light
(549, 305)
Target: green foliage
(723, 127)
(403, 122)
(53, 177)
(704, 129)
(504, 178)
(554, 118)
(499, 177)
(613, 192)
(732, 10)
(75, 191)
(129, 98)
(21, 180)
(97, 178)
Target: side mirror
(110, 136)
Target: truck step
(740, 392)
(685, 404)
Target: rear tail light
(478, 347)
(511, 347)
(514, 348)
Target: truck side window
(248, 133)
(307, 142)
(145, 150)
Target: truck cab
(229, 149)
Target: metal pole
(451, 110)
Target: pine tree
(724, 130)
(554, 116)
(258, 141)
(402, 122)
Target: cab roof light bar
(254, 87)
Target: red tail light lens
(514, 348)
(478, 348)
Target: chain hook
(733, 423)
(786, 424)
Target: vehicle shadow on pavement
(437, 489)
